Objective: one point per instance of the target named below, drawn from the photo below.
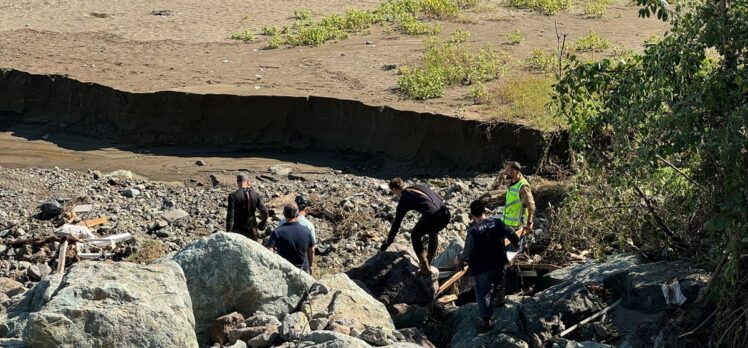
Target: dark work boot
(499, 298)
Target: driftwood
(61, 258)
(593, 317)
(451, 280)
(446, 299)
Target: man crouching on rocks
(292, 240)
(244, 203)
(485, 254)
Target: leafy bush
(543, 61)
(597, 8)
(448, 64)
(478, 93)
(525, 97)
(302, 15)
(421, 83)
(632, 122)
(591, 42)
(515, 37)
(270, 31)
(547, 7)
(246, 36)
(459, 35)
(406, 15)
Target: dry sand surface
(123, 45)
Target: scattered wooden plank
(109, 240)
(83, 208)
(451, 280)
(585, 321)
(94, 256)
(446, 299)
(94, 222)
(61, 257)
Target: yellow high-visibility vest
(514, 212)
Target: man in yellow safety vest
(519, 208)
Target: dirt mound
(263, 122)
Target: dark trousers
(429, 225)
(487, 284)
(248, 232)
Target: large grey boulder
(504, 333)
(641, 286)
(331, 339)
(337, 297)
(392, 277)
(104, 304)
(228, 272)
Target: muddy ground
(123, 45)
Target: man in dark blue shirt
(293, 241)
(485, 254)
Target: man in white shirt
(303, 203)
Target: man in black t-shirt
(293, 241)
(485, 254)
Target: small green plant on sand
(547, 7)
(246, 36)
(447, 64)
(270, 31)
(542, 61)
(302, 14)
(596, 8)
(515, 37)
(479, 93)
(459, 35)
(591, 42)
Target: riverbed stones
(115, 305)
(227, 271)
(294, 326)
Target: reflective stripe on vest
(513, 210)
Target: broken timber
(585, 321)
(94, 222)
(451, 280)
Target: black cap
(301, 201)
(241, 177)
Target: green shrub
(302, 15)
(478, 93)
(270, 31)
(421, 83)
(448, 64)
(591, 42)
(597, 8)
(547, 7)
(543, 61)
(652, 40)
(274, 42)
(358, 20)
(246, 36)
(515, 37)
(440, 9)
(459, 35)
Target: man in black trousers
(244, 204)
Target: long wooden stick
(61, 256)
(585, 321)
(451, 280)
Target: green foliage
(515, 37)
(459, 36)
(447, 64)
(302, 14)
(543, 61)
(407, 16)
(246, 36)
(591, 42)
(421, 83)
(547, 7)
(524, 97)
(479, 93)
(597, 8)
(270, 31)
(652, 40)
(682, 103)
